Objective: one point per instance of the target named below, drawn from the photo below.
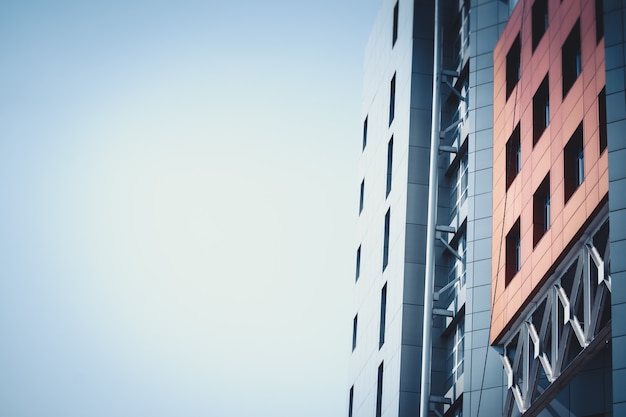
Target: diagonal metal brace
(448, 247)
(456, 93)
(452, 126)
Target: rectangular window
(513, 156)
(540, 20)
(458, 192)
(602, 118)
(392, 99)
(599, 20)
(541, 110)
(513, 253)
(574, 163)
(351, 401)
(541, 210)
(358, 263)
(513, 66)
(458, 266)
(395, 24)
(365, 132)
(571, 59)
(383, 313)
(462, 178)
(362, 196)
(354, 328)
(386, 239)
(379, 391)
(456, 349)
(389, 164)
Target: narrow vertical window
(392, 99)
(395, 24)
(571, 59)
(574, 163)
(541, 110)
(351, 401)
(599, 20)
(389, 164)
(513, 253)
(602, 119)
(379, 391)
(513, 157)
(362, 196)
(358, 263)
(541, 210)
(456, 349)
(383, 313)
(386, 239)
(540, 20)
(365, 132)
(458, 265)
(354, 330)
(513, 66)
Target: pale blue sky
(178, 197)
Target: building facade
(530, 148)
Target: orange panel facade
(549, 163)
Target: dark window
(602, 118)
(513, 252)
(599, 20)
(389, 163)
(513, 66)
(392, 99)
(574, 163)
(365, 132)
(570, 55)
(361, 196)
(379, 391)
(513, 157)
(351, 401)
(541, 110)
(541, 210)
(383, 312)
(395, 24)
(386, 239)
(540, 20)
(358, 263)
(354, 327)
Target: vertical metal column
(429, 283)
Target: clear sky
(178, 199)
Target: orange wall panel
(567, 219)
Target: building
(527, 192)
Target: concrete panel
(412, 324)
(410, 368)
(413, 283)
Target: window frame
(513, 66)
(386, 231)
(541, 109)
(513, 156)
(396, 16)
(540, 21)
(383, 316)
(355, 323)
(571, 58)
(389, 166)
(541, 210)
(513, 255)
(392, 99)
(574, 163)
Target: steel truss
(568, 322)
